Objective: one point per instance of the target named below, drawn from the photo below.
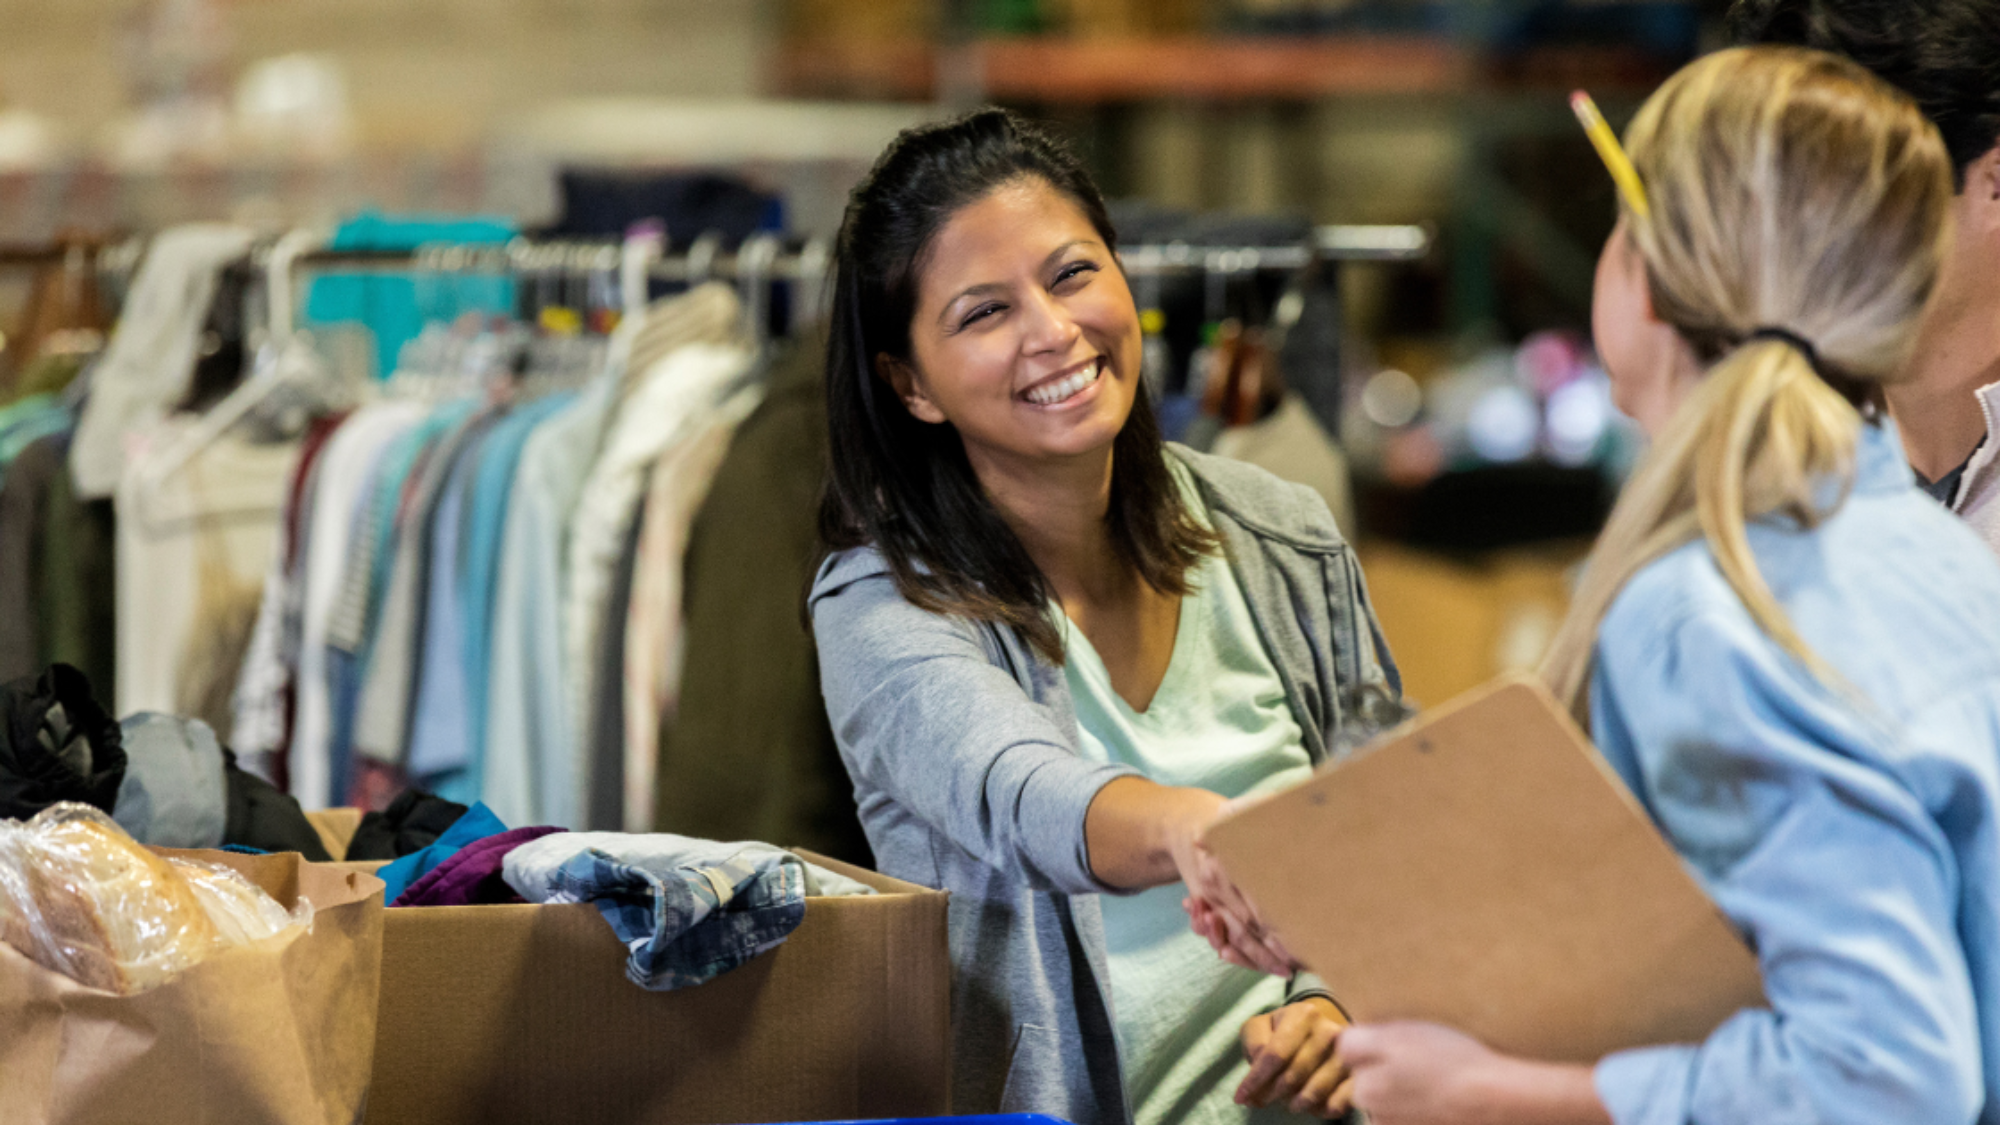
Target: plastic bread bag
(240, 910)
(82, 898)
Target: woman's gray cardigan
(963, 748)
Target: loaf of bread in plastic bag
(80, 897)
(239, 909)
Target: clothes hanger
(644, 243)
(266, 376)
(755, 261)
(809, 296)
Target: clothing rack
(772, 257)
(791, 259)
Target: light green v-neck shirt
(1219, 721)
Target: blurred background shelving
(129, 115)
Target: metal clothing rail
(788, 259)
(792, 259)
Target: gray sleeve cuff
(1055, 800)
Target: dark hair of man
(905, 486)
(1943, 53)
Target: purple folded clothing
(471, 877)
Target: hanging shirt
(262, 713)
(439, 723)
(1218, 721)
(339, 483)
(395, 654)
(366, 609)
(150, 358)
(670, 401)
(529, 775)
(395, 307)
(29, 421)
(1291, 445)
(193, 545)
(499, 459)
(652, 637)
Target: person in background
(1946, 55)
(1787, 653)
(1052, 648)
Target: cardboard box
(501, 1014)
(1456, 623)
(336, 829)
(1484, 868)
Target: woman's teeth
(1052, 393)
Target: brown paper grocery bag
(281, 1032)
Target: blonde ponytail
(1789, 189)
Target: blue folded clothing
(478, 823)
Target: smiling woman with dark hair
(1054, 648)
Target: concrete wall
(422, 71)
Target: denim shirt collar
(1880, 465)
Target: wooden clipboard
(1482, 867)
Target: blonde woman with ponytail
(1789, 654)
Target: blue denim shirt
(1850, 829)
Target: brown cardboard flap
(1485, 869)
(285, 876)
(336, 828)
(882, 883)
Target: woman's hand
(1141, 834)
(1217, 909)
(1294, 1061)
(1424, 1074)
(1237, 942)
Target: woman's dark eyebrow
(995, 286)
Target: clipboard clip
(1367, 712)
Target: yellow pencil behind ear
(1612, 153)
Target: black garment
(603, 202)
(23, 498)
(77, 613)
(750, 755)
(413, 822)
(1944, 490)
(261, 817)
(57, 743)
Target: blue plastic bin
(988, 1119)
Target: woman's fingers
(1339, 1100)
(1283, 1059)
(1311, 1041)
(1259, 953)
(1248, 932)
(1256, 1036)
(1314, 1072)
(1207, 924)
(1278, 950)
(1315, 1053)
(1239, 944)
(1237, 941)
